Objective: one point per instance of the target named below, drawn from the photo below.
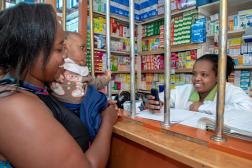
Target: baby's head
(75, 48)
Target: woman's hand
(195, 106)
(152, 104)
(111, 113)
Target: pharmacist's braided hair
(213, 58)
(26, 30)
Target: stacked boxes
(121, 82)
(243, 79)
(185, 59)
(245, 19)
(118, 29)
(181, 79)
(177, 5)
(120, 63)
(240, 51)
(234, 50)
(100, 61)
(99, 25)
(233, 23)
(152, 62)
(182, 27)
(177, 79)
(152, 28)
(242, 20)
(72, 25)
(99, 6)
(121, 7)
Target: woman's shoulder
(14, 100)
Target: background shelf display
(210, 45)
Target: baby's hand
(108, 75)
(61, 78)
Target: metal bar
(132, 59)
(108, 43)
(64, 10)
(2, 4)
(82, 22)
(221, 73)
(167, 44)
(91, 36)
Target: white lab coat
(236, 99)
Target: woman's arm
(236, 99)
(98, 153)
(31, 137)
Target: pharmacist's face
(204, 77)
(75, 50)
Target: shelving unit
(114, 54)
(175, 13)
(249, 67)
(235, 43)
(231, 34)
(114, 16)
(160, 51)
(205, 10)
(233, 7)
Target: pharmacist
(201, 95)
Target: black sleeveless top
(69, 120)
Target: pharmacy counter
(141, 143)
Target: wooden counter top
(189, 153)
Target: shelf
(154, 36)
(231, 34)
(115, 72)
(243, 67)
(112, 36)
(98, 49)
(153, 19)
(120, 53)
(72, 15)
(113, 52)
(184, 47)
(233, 7)
(162, 16)
(174, 48)
(183, 70)
(153, 71)
(114, 16)
(159, 51)
(98, 33)
(119, 37)
(182, 11)
(120, 72)
(172, 71)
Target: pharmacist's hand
(195, 106)
(111, 113)
(152, 104)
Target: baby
(77, 89)
(71, 86)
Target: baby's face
(75, 49)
